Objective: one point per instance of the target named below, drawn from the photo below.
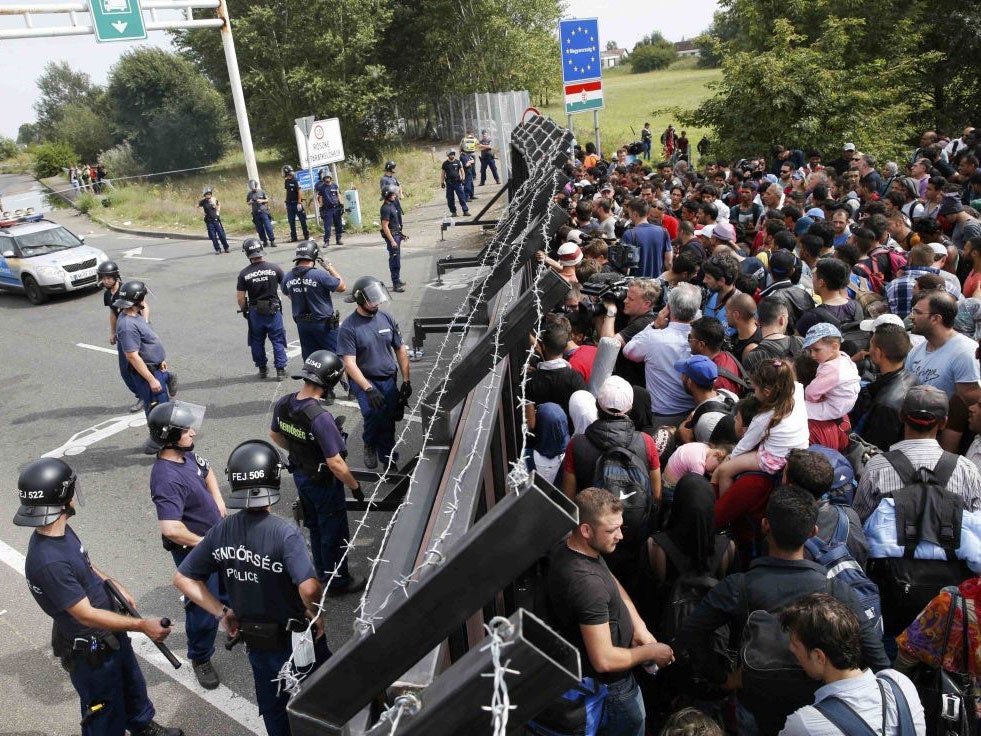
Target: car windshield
(43, 242)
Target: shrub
(120, 161)
(51, 158)
(8, 148)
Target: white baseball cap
(869, 325)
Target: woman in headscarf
(582, 410)
(551, 438)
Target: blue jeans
(144, 393)
(292, 213)
(333, 216)
(119, 683)
(647, 149)
(262, 326)
(217, 233)
(315, 336)
(468, 184)
(624, 709)
(456, 187)
(379, 424)
(263, 227)
(486, 163)
(199, 625)
(125, 372)
(272, 702)
(395, 259)
(325, 515)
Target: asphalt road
(62, 392)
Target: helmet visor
(188, 415)
(376, 293)
(78, 492)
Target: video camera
(623, 257)
(604, 287)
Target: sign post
(320, 144)
(303, 126)
(117, 20)
(581, 69)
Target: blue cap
(698, 368)
(803, 225)
(820, 331)
(816, 212)
(844, 473)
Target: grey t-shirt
(134, 335)
(953, 363)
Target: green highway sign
(117, 20)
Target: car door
(7, 274)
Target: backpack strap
(844, 717)
(726, 373)
(945, 468)
(901, 464)
(677, 558)
(840, 535)
(903, 713)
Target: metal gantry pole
(238, 96)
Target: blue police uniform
(469, 169)
(107, 297)
(260, 281)
(59, 575)
(260, 216)
(312, 436)
(263, 559)
(294, 208)
(134, 335)
(487, 160)
(372, 341)
(389, 180)
(454, 185)
(331, 210)
(391, 212)
(179, 493)
(313, 311)
(216, 232)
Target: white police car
(39, 258)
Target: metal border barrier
(473, 521)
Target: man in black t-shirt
(212, 219)
(451, 179)
(554, 380)
(390, 217)
(590, 608)
(638, 306)
(257, 292)
(294, 204)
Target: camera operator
(638, 308)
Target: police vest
(469, 144)
(297, 428)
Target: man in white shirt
(825, 640)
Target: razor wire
(499, 633)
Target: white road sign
(323, 146)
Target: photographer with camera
(630, 303)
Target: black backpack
(925, 511)
(853, 338)
(623, 472)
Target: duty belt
(92, 648)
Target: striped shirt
(880, 479)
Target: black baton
(125, 607)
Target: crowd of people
(88, 178)
(762, 394)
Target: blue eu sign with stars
(579, 39)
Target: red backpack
(881, 266)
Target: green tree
(648, 58)
(50, 158)
(171, 115)
(723, 30)
(809, 95)
(299, 58)
(612, 45)
(62, 90)
(8, 147)
(87, 132)
(28, 133)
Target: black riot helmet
(322, 174)
(322, 368)
(306, 250)
(369, 290)
(389, 166)
(130, 294)
(287, 170)
(108, 268)
(46, 487)
(252, 247)
(389, 191)
(253, 471)
(168, 421)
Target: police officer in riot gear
(390, 217)
(302, 425)
(390, 180)
(257, 293)
(371, 347)
(451, 178)
(258, 200)
(272, 586)
(309, 289)
(294, 204)
(147, 358)
(331, 206)
(185, 493)
(109, 278)
(88, 636)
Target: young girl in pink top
(834, 390)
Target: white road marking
(111, 351)
(80, 441)
(235, 706)
(135, 254)
(293, 349)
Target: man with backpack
(611, 454)
(707, 338)
(825, 640)
(698, 376)
(771, 684)
(773, 314)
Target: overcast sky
(21, 61)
